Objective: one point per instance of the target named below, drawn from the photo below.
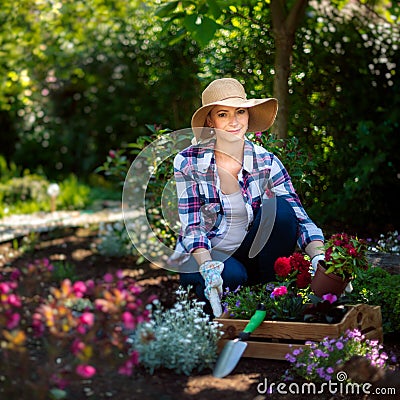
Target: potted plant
(345, 256)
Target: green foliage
(64, 270)
(7, 170)
(85, 78)
(73, 194)
(378, 287)
(299, 164)
(28, 194)
(348, 113)
(242, 302)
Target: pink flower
(258, 135)
(85, 370)
(279, 291)
(329, 297)
(128, 320)
(108, 278)
(14, 300)
(111, 153)
(4, 287)
(79, 288)
(127, 368)
(15, 274)
(87, 318)
(77, 346)
(13, 321)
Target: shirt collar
(204, 163)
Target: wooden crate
(274, 339)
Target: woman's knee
(285, 217)
(234, 274)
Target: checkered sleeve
(282, 186)
(193, 234)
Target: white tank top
(237, 222)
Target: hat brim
(262, 113)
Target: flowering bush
(345, 255)
(320, 360)
(68, 323)
(84, 316)
(181, 339)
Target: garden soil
(246, 382)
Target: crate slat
(274, 339)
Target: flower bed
(274, 339)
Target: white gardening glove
(211, 272)
(314, 262)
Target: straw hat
(230, 92)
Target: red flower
(282, 266)
(299, 263)
(303, 279)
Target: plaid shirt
(200, 208)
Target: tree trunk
(284, 25)
(283, 52)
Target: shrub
(73, 194)
(52, 334)
(181, 338)
(378, 287)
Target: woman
(237, 206)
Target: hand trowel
(233, 350)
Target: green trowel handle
(254, 322)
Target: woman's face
(230, 119)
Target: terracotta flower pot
(323, 283)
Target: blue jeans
(243, 269)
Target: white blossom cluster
(181, 338)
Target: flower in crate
(295, 270)
(242, 302)
(326, 309)
(286, 304)
(319, 361)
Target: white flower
(53, 190)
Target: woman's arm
(314, 248)
(201, 255)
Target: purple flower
(290, 358)
(320, 353)
(339, 345)
(329, 297)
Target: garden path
(17, 226)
